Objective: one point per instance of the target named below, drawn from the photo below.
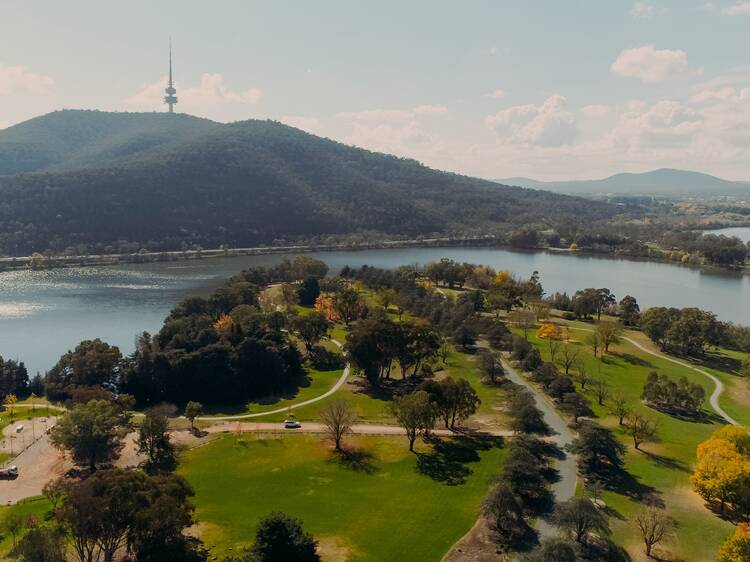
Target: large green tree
(92, 432)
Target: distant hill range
(664, 182)
(90, 181)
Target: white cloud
(393, 115)
(651, 64)
(309, 124)
(739, 9)
(708, 95)
(548, 125)
(428, 109)
(643, 9)
(595, 110)
(211, 92)
(377, 115)
(663, 124)
(19, 79)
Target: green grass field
(662, 470)
(374, 504)
(36, 507)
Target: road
(565, 487)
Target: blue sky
(547, 89)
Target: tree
(338, 418)
(593, 341)
(598, 450)
(553, 550)
(630, 312)
(453, 401)
(579, 517)
(192, 411)
(308, 291)
(568, 357)
(415, 413)
(92, 432)
(348, 304)
(737, 547)
(619, 407)
(722, 472)
(281, 538)
(91, 363)
(465, 336)
(576, 405)
(13, 523)
(504, 513)
(582, 374)
(641, 428)
(154, 441)
(311, 328)
(9, 402)
(42, 544)
(491, 366)
(608, 334)
(655, 526)
(601, 389)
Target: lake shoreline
(103, 260)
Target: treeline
(715, 249)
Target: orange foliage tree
(324, 305)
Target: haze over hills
(100, 182)
(662, 182)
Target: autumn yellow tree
(10, 403)
(549, 331)
(722, 472)
(502, 276)
(737, 547)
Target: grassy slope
(380, 509)
(664, 468)
(37, 507)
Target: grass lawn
(662, 471)
(374, 504)
(23, 415)
(37, 507)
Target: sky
(495, 89)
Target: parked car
(19, 428)
(292, 424)
(9, 472)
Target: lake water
(45, 313)
(741, 232)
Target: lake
(45, 313)
(741, 232)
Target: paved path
(358, 429)
(718, 385)
(565, 487)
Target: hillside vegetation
(104, 182)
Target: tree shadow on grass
(356, 460)
(622, 482)
(718, 362)
(447, 460)
(667, 462)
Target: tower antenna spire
(170, 99)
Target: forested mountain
(67, 140)
(160, 181)
(662, 182)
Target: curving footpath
(718, 385)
